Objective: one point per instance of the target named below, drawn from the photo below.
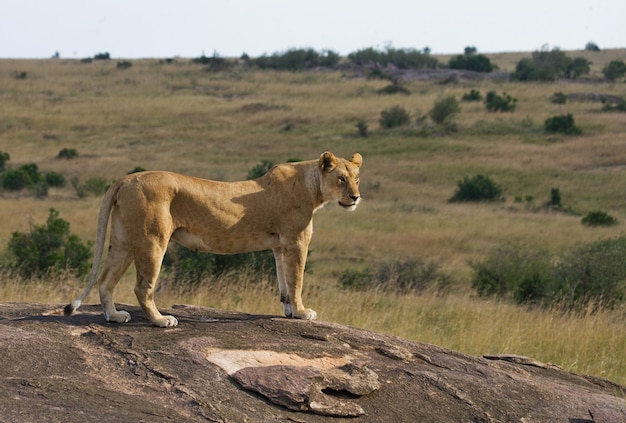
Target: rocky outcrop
(222, 366)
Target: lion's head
(340, 179)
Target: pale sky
(189, 28)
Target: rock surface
(222, 366)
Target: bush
(394, 88)
(590, 274)
(186, 267)
(94, 186)
(614, 70)
(620, 106)
(472, 62)
(544, 65)
(515, 272)
(473, 95)
(558, 98)
(67, 153)
(48, 249)
(577, 67)
(102, 56)
(362, 128)
(563, 124)
(25, 176)
(136, 169)
(444, 110)
(599, 218)
(476, 188)
(591, 46)
(260, 169)
(593, 273)
(555, 198)
(401, 277)
(124, 64)
(297, 59)
(400, 58)
(496, 103)
(394, 117)
(54, 179)
(4, 158)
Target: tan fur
(275, 212)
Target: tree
(614, 70)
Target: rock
(220, 366)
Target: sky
(228, 28)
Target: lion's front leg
(290, 263)
(281, 275)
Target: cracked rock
(329, 392)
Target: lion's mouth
(349, 206)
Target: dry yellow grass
(218, 125)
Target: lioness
(275, 212)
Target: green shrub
(394, 117)
(48, 249)
(591, 46)
(444, 110)
(260, 169)
(395, 87)
(25, 176)
(297, 59)
(496, 103)
(563, 124)
(558, 98)
(94, 186)
(362, 128)
(472, 62)
(102, 56)
(477, 188)
(4, 158)
(614, 70)
(54, 179)
(620, 106)
(515, 272)
(124, 64)
(400, 58)
(599, 218)
(544, 65)
(136, 169)
(400, 276)
(577, 67)
(67, 153)
(555, 198)
(472, 95)
(593, 273)
(186, 267)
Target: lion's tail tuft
(71, 307)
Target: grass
(218, 125)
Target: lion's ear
(328, 161)
(356, 159)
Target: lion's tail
(103, 222)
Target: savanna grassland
(180, 117)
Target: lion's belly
(226, 243)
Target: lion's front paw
(306, 314)
(118, 317)
(166, 322)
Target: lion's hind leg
(148, 266)
(117, 262)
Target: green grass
(182, 118)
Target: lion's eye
(356, 180)
(342, 180)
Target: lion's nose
(353, 197)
